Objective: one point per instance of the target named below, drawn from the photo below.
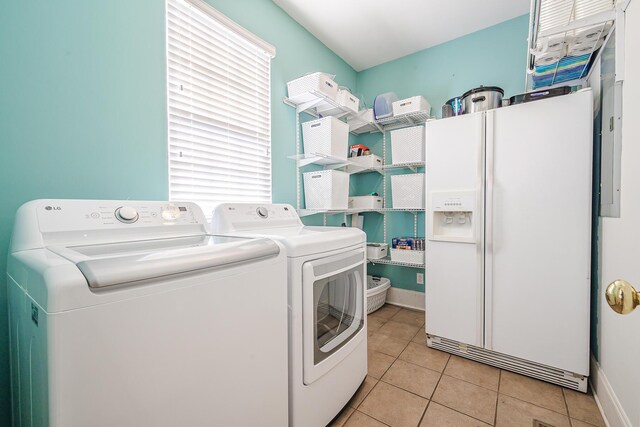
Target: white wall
(617, 383)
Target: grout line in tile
(420, 366)
(369, 392)
(469, 382)
(453, 409)
(460, 412)
(371, 416)
(566, 405)
(495, 416)
(533, 404)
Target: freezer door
(454, 249)
(538, 228)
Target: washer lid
(123, 263)
(308, 240)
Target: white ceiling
(366, 33)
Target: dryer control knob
(127, 214)
(262, 212)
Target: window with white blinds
(219, 108)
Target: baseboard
(608, 403)
(405, 298)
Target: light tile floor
(412, 385)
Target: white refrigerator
(508, 256)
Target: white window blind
(219, 108)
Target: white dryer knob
(262, 212)
(127, 214)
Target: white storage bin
(407, 145)
(361, 163)
(363, 122)
(366, 202)
(328, 136)
(377, 288)
(345, 99)
(300, 89)
(406, 255)
(327, 189)
(407, 191)
(411, 105)
(377, 250)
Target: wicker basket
(376, 292)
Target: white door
(538, 226)
(617, 381)
(454, 265)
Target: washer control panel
(127, 214)
(65, 215)
(229, 217)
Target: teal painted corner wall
(83, 109)
(495, 56)
(82, 112)
(83, 105)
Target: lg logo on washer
(53, 208)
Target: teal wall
(495, 56)
(83, 110)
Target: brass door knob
(622, 296)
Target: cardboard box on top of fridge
(307, 87)
(411, 105)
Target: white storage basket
(327, 136)
(411, 105)
(376, 292)
(346, 100)
(359, 163)
(407, 191)
(407, 145)
(327, 189)
(408, 256)
(301, 89)
(377, 250)
(366, 202)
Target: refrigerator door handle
(479, 228)
(488, 237)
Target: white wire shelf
(388, 261)
(307, 212)
(319, 159)
(404, 120)
(332, 162)
(355, 169)
(320, 105)
(564, 38)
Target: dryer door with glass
(332, 310)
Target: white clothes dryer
(327, 316)
(131, 314)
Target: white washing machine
(131, 314)
(327, 317)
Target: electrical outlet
(420, 278)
